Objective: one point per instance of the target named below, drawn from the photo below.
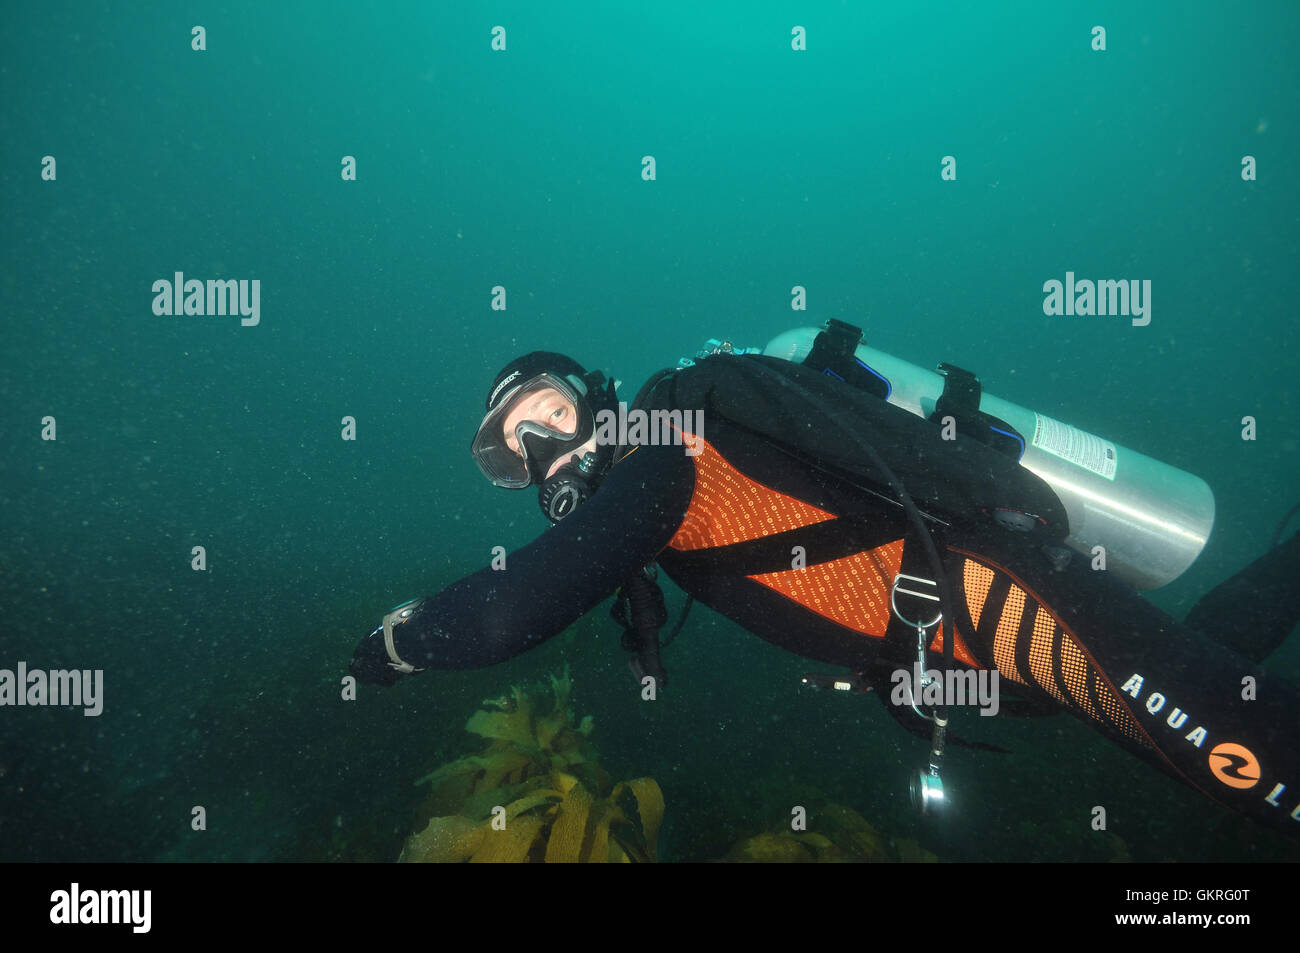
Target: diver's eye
(558, 414)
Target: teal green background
(523, 169)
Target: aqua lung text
(1232, 763)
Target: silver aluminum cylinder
(1152, 519)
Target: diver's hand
(375, 661)
(370, 662)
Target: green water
(523, 169)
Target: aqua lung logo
(1232, 764)
(1235, 765)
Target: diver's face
(547, 407)
(552, 410)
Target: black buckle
(961, 401)
(961, 392)
(834, 354)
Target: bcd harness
(960, 464)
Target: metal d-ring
(920, 627)
(895, 589)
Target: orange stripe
(1112, 700)
(1004, 638)
(1040, 652)
(959, 650)
(976, 580)
(853, 591)
(728, 507)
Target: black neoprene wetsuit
(722, 525)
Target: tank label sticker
(1077, 446)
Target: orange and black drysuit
(724, 523)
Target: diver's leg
(1255, 610)
(1212, 715)
(1205, 714)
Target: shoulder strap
(644, 397)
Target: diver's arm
(494, 615)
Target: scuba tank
(1152, 519)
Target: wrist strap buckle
(395, 618)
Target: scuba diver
(864, 516)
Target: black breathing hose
(923, 534)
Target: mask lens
(545, 407)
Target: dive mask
(556, 422)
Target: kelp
(835, 833)
(537, 793)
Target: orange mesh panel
(1074, 672)
(728, 507)
(1113, 709)
(959, 649)
(1004, 641)
(1119, 715)
(976, 579)
(853, 591)
(1040, 653)
(1075, 669)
